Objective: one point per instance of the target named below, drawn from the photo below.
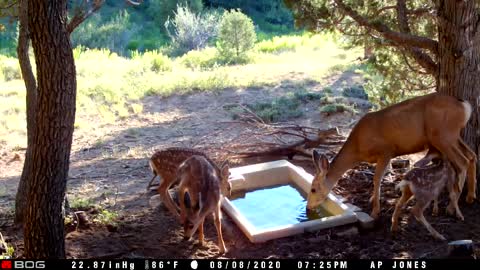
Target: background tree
(81, 10)
(236, 36)
(434, 41)
(53, 130)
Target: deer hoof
(470, 199)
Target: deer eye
(314, 190)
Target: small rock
(400, 163)
(349, 232)
(461, 249)
(155, 201)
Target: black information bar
(227, 264)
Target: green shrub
(161, 10)
(204, 59)
(306, 96)
(10, 69)
(356, 91)
(113, 34)
(191, 31)
(161, 63)
(337, 108)
(327, 90)
(236, 37)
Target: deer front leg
(218, 225)
(382, 165)
(201, 236)
(435, 207)
(454, 201)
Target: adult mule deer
(432, 121)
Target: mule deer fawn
(201, 181)
(432, 121)
(426, 184)
(165, 163)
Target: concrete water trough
(268, 201)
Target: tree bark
(54, 119)
(31, 101)
(459, 60)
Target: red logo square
(6, 264)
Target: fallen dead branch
(259, 139)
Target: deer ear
(320, 161)
(324, 164)
(225, 171)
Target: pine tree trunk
(31, 101)
(459, 61)
(54, 119)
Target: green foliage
(392, 67)
(161, 10)
(113, 34)
(327, 90)
(191, 31)
(356, 91)
(279, 109)
(81, 203)
(9, 69)
(306, 96)
(159, 62)
(270, 16)
(9, 250)
(205, 59)
(106, 217)
(236, 37)
(337, 108)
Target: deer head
(320, 188)
(225, 185)
(193, 219)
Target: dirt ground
(109, 166)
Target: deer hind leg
(431, 154)
(166, 198)
(454, 154)
(151, 181)
(417, 211)
(218, 226)
(380, 169)
(406, 195)
(472, 171)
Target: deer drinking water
(201, 181)
(165, 163)
(426, 184)
(432, 121)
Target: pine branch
(404, 39)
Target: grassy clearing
(111, 88)
(279, 109)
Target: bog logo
(6, 264)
